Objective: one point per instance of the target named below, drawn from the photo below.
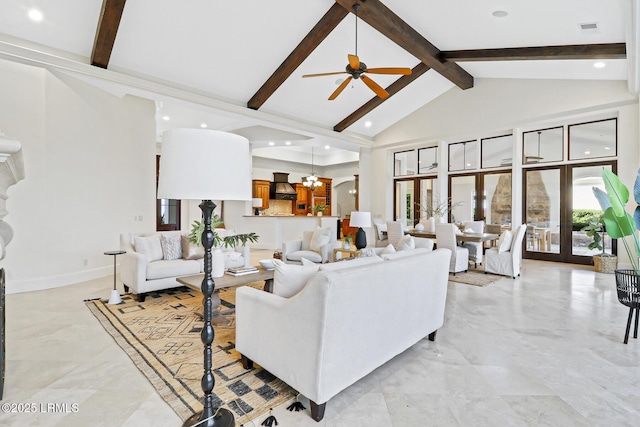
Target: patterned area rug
(162, 337)
(475, 277)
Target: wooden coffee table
(195, 282)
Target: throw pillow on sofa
(289, 279)
(171, 246)
(149, 246)
(320, 238)
(191, 250)
(389, 249)
(406, 242)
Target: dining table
(460, 237)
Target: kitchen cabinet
(301, 204)
(261, 191)
(322, 195)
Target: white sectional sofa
(153, 262)
(347, 320)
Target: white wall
(90, 173)
(507, 105)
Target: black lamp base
(256, 212)
(361, 238)
(223, 418)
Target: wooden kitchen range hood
(280, 189)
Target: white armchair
(506, 262)
(315, 245)
(475, 248)
(446, 238)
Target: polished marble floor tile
(542, 350)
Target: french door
(558, 202)
(412, 196)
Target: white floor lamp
(205, 165)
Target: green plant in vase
(319, 209)
(618, 223)
(197, 228)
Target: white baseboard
(15, 287)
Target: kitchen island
(274, 230)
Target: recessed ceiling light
(166, 118)
(367, 124)
(587, 152)
(500, 13)
(203, 125)
(287, 143)
(326, 147)
(271, 143)
(599, 64)
(607, 148)
(35, 15)
(468, 164)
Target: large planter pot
(605, 264)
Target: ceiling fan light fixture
(500, 13)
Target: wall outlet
(139, 217)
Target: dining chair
(475, 248)
(380, 228)
(395, 231)
(446, 238)
(506, 263)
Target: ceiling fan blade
(337, 92)
(387, 70)
(323, 74)
(375, 87)
(354, 61)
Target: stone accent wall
(538, 201)
(501, 201)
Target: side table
(115, 295)
(353, 252)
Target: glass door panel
(428, 198)
(542, 211)
(585, 207)
(462, 191)
(496, 198)
(405, 202)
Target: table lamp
(206, 165)
(256, 203)
(360, 219)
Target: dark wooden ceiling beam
(579, 51)
(374, 102)
(108, 24)
(377, 15)
(318, 33)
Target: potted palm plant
(603, 262)
(620, 224)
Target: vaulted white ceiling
(203, 60)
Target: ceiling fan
(357, 68)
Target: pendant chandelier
(311, 180)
